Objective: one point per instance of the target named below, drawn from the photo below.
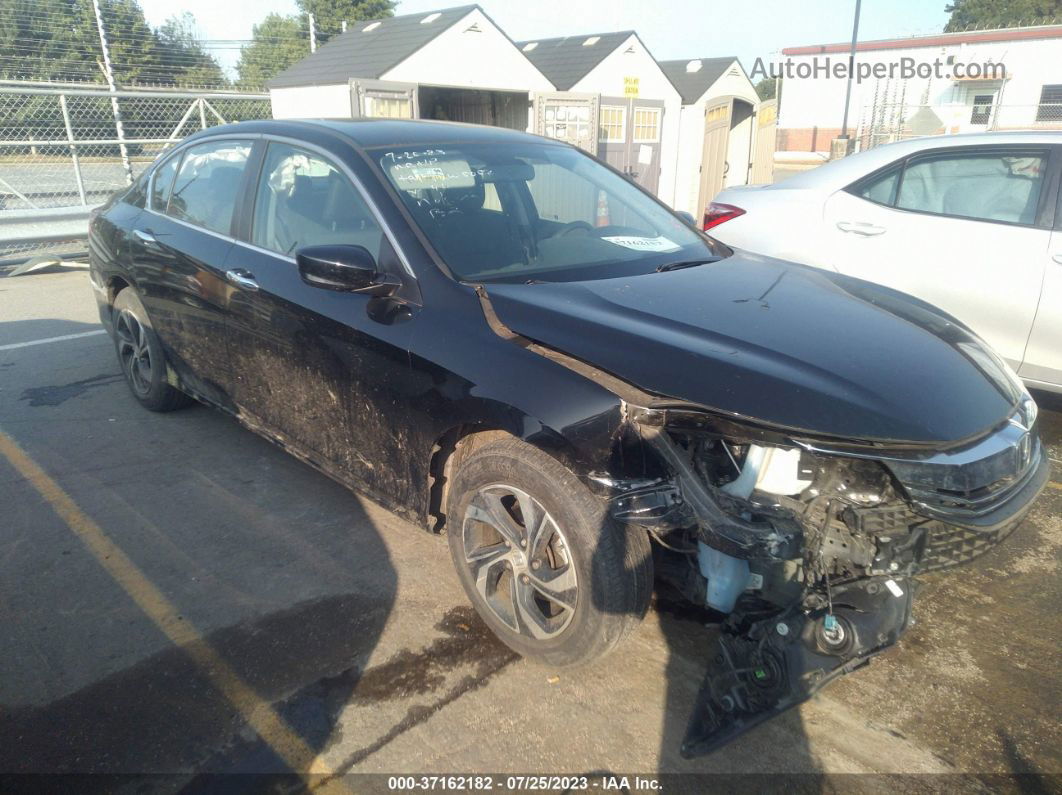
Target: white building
(952, 82)
(718, 126)
(454, 64)
(637, 106)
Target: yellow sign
(630, 86)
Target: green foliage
(329, 15)
(1000, 13)
(767, 88)
(58, 40)
(278, 42)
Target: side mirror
(348, 269)
(685, 216)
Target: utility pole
(313, 35)
(108, 73)
(842, 145)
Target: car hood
(780, 343)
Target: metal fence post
(202, 114)
(109, 74)
(313, 35)
(73, 149)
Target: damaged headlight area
(810, 551)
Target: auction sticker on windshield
(643, 243)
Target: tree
(767, 88)
(58, 40)
(329, 15)
(277, 42)
(1000, 13)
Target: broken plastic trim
(744, 538)
(781, 661)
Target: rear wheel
(140, 355)
(540, 558)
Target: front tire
(543, 563)
(140, 355)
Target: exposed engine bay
(810, 553)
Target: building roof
(692, 84)
(936, 40)
(568, 59)
(370, 48)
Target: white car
(970, 223)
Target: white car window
(992, 187)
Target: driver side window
(303, 200)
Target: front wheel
(552, 574)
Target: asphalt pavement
(180, 597)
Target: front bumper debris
(764, 669)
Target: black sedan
(502, 339)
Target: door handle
(241, 278)
(860, 228)
(1057, 258)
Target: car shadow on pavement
(281, 573)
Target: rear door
(963, 228)
(180, 244)
(1043, 356)
(322, 370)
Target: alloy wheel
(134, 351)
(520, 561)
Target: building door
(629, 137)
(383, 99)
(764, 145)
(568, 117)
(713, 154)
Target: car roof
(368, 133)
(839, 173)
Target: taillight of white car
(718, 212)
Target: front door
(714, 150)
(629, 138)
(960, 228)
(383, 99)
(568, 117)
(322, 370)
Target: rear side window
(162, 182)
(303, 200)
(1002, 186)
(987, 187)
(208, 183)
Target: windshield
(527, 211)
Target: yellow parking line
(259, 714)
(1051, 484)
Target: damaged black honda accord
(504, 340)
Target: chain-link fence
(885, 122)
(73, 146)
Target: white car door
(961, 228)
(1043, 356)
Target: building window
(389, 107)
(646, 125)
(982, 108)
(613, 124)
(1050, 108)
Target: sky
(669, 28)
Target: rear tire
(550, 572)
(140, 355)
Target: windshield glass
(517, 212)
